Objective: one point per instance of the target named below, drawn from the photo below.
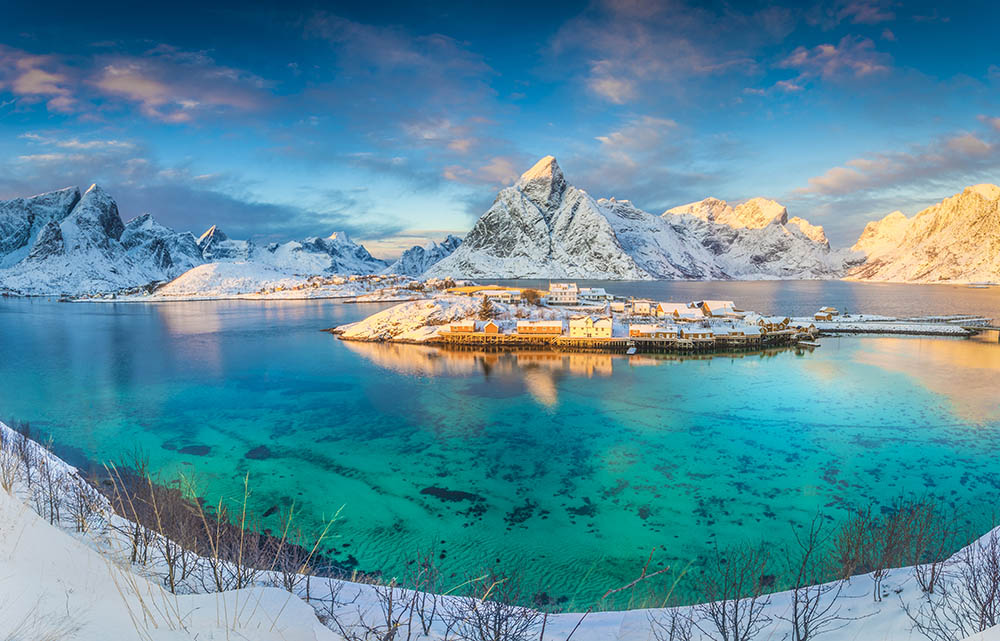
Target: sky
(399, 122)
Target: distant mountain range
(544, 227)
(65, 242)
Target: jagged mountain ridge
(67, 243)
(956, 240)
(419, 258)
(544, 227)
(335, 254)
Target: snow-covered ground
(60, 585)
(255, 281)
(874, 324)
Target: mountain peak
(986, 190)
(212, 233)
(543, 184)
(341, 236)
(759, 212)
(545, 169)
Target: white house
(588, 327)
(618, 306)
(715, 307)
(671, 309)
(511, 296)
(594, 295)
(563, 294)
(643, 307)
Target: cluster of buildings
(621, 319)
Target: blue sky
(398, 123)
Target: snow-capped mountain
(147, 241)
(957, 240)
(756, 239)
(215, 246)
(419, 258)
(335, 254)
(21, 220)
(544, 227)
(65, 243)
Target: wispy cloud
(36, 78)
(173, 85)
(954, 157)
(634, 49)
(853, 56)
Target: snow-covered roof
(649, 328)
(539, 323)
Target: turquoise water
(571, 467)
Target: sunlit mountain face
(399, 124)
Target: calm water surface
(570, 466)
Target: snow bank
(52, 581)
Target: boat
(808, 344)
(978, 285)
(630, 351)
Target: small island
(568, 317)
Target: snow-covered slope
(956, 240)
(87, 249)
(22, 219)
(757, 239)
(419, 258)
(215, 245)
(335, 254)
(147, 241)
(544, 227)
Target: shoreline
(349, 607)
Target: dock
(619, 344)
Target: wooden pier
(620, 344)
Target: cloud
(498, 171)
(956, 157)
(174, 85)
(168, 84)
(853, 57)
(649, 159)
(624, 51)
(829, 15)
(184, 198)
(77, 144)
(36, 78)
(991, 121)
(866, 12)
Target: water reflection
(963, 371)
(538, 371)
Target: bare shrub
(875, 545)
(10, 462)
(815, 609)
(936, 535)
(84, 505)
(674, 624)
(733, 586)
(48, 494)
(490, 612)
(424, 578)
(967, 599)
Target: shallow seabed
(570, 467)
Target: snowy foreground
(59, 583)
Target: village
(591, 318)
